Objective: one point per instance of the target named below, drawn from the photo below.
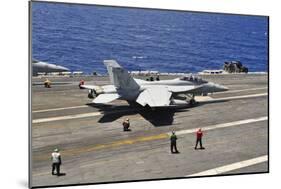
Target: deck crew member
(199, 135)
(47, 83)
(126, 125)
(173, 139)
(56, 162)
(82, 82)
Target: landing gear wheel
(192, 102)
(90, 95)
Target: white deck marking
(92, 114)
(56, 109)
(76, 116)
(42, 120)
(231, 167)
(222, 125)
(71, 107)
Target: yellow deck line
(119, 143)
(108, 145)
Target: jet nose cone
(57, 68)
(221, 88)
(62, 68)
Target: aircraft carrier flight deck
(95, 149)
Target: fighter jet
(154, 94)
(43, 67)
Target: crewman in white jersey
(56, 162)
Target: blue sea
(80, 37)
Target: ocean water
(80, 37)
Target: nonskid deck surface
(95, 149)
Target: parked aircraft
(44, 67)
(164, 93)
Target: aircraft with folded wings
(154, 94)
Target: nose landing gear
(192, 101)
(92, 94)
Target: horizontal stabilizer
(158, 96)
(105, 98)
(89, 87)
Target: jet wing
(157, 96)
(105, 98)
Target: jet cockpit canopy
(194, 79)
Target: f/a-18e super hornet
(44, 67)
(164, 93)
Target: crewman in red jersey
(82, 82)
(199, 135)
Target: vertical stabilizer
(120, 77)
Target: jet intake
(179, 102)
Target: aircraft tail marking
(120, 77)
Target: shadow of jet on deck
(160, 117)
(157, 117)
(113, 112)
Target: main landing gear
(192, 101)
